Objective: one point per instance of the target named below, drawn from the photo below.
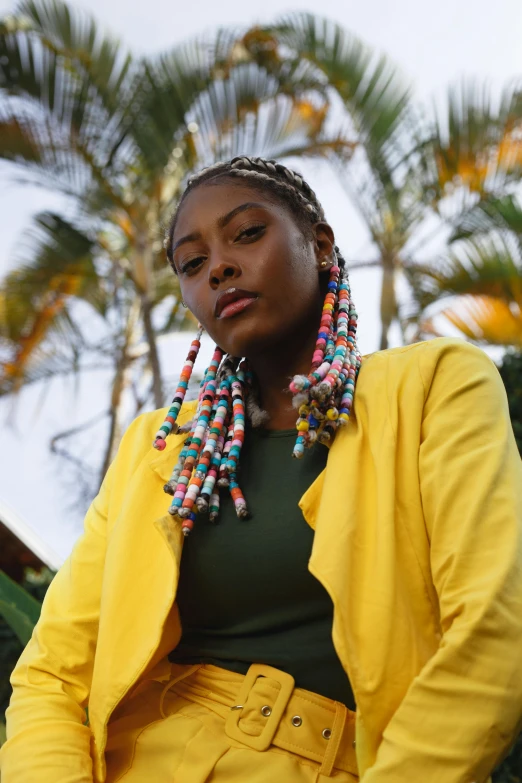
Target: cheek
(195, 297)
(300, 283)
(290, 266)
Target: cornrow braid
(267, 175)
(210, 457)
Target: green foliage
(27, 599)
(470, 174)
(10, 650)
(511, 372)
(510, 771)
(18, 608)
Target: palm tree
(413, 178)
(472, 167)
(115, 135)
(379, 178)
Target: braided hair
(288, 186)
(210, 457)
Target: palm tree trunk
(123, 365)
(388, 301)
(157, 383)
(118, 387)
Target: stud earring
(183, 303)
(324, 264)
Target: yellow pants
(211, 724)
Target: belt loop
(180, 676)
(341, 713)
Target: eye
(251, 232)
(192, 265)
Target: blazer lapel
(139, 620)
(167, 525)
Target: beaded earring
(169, 425)
(211, 452)
(335, 365)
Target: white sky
(434, 43)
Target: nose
(222, 271)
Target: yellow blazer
(418, 541)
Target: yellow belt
(264, 708)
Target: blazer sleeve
(48, 737)
(463, 710)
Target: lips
(233, 301)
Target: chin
(245, 337)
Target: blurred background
(404, 117)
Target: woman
(357, 612)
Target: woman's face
(246, 269)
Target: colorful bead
(169, 425)
(327, 391)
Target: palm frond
(51, 359)
(168, 88)
(77, 35)
(262, 46)
(483, 319)
(204, 100)
(369, 86)
(489, 214)
(34, 297)
(19, 144)
(247, 114)
(479, 267)
(67, 85)
(476, 143)
(376, 103)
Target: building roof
(29, 537)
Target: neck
(274, 372)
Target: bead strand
(169, 425)
(199, 476)
(217, 432)
(301, 382)
(238, 412)
(237, 384)
(182, 505)
(223, 480)
(207, 489)
(214, 507)
(325, 397)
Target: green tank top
(245, 594)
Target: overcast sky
(435, 44)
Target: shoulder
(428, 351)
(447, 356)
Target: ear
(324, 244)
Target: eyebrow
(222, 222)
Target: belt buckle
(261, 741)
